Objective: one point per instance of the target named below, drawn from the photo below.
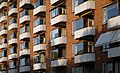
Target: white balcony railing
(39, 9)
(39, 47)
(3, 46)
(3, 59)
(13, 26)
(3, 32)
(39, 66)
(12, 11)
(12, 56)
(3, 4)
(59, 19)
(84, 32)
(59, 62)
(25, 18)
(39, 28)
(25, 52)
(88, 57)
(12, 41)
(58, 41)
(88, 5)
(114, 22)
(3, 18)
(25, 35)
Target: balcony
(3, 46)
(39, 66)
(3, 71)
(10, 0)
(25, 35)
(114, 23)
(13, 12)
(55, 2)
(25, 18)
(12, 71)
(3, 59)
(25, 52)
(24, 69)
(3, 32)
(39, 28)
(3, 18)
(12, 26)
(12, 41)
(113, 52)
(12, 56)
(59, 19)
(3, 4)
(39, 10)
(58, 41)
(84, 7)
(87, 57)
(59, 62)
(39, 47)
(85, 32)
(26, 4)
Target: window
(57, 12)
(4, 13)
(58, 53)
(4, 26)
(40, 58)
(13, 50)
(13, 20)
(39, 2)
(25, 28)
(73, 5)
(3, 40)
(12, 65)
(109, 12)
(39, 21)
(3, 67)
(78, 2)
(58, 33)
(83, 69)
(58, 70)
(113, 67)
(24, 45)
(25, 61)
(77, 24)
(3, 53)
(14, 5)
(82, 47)
(24, 12)
(107, 67)
(13, 35)
(79, 48)
(39, 39)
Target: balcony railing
(84, 6)
(59, 62)
(87, 57)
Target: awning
(105, 38)
(116, 37)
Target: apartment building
(59, 36)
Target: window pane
(54, 54)
(54, 34)
(79, 47)
(112, 12)
(79, 24)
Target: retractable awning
(105, 38)
(116, 37)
